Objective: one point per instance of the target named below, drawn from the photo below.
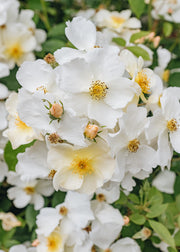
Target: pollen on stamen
(133, 145)
(55, 138)
(117, 21)
(51, 174)
(172, 125)
(143, 81)
(29, 190)
(98, 90)
(63, 210)
(100, 197)
(42, 88)
(82, 166)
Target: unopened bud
(146, 232)
(151, 36)
(170, 11)
(35, 243)
(126, 220)
(56, 110)
(91, 131)
(156, 41)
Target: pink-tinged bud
(56, 110)
(35, 243)
(151, 36)
(156, 41)
(126, 220)
(170, 11)
(91, 131)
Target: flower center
(63, 210)
(51, 174)
(54, 242)
(98, 90)
(133, 145)
(81, 165)
(21, 124)
(100, 197)
(15, 51)
(172, 125)
(29, 190)
(165, 76)
(42, 88)
(143, 81)
(117, 21)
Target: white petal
(67, 180)
(164, 181)
(81, 33)
(67, 54)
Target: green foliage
(167, 29)
(10, 154)
(163, 232)
(138, 35)
(58, 197)
(119, 41)
(138, 51)
(138, 219)
(137, 6)
(30, 216)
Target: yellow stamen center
(21, 124)
(63, 210)
(42, 88)
(52, 173)
(143, 81)
(100, 197)
(14, 51)
(29, 190)
(98, 90)
(54, 242)
(165, 76)
(133, 145)
(172, 125)
(81, 165)
(117, 21)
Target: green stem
(149, 15)
(45, 15)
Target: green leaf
(138, 219)
(156, 210)
(177, 238)
(58, 197)
(137, 6)
(121, 201)
(10, 154)
(163, 232)
(167, 29)
(177, 185)
(138, 51)
(50, 46)
(172, 249)
(30, 216)
(178, 202)
(155, 196)
(134, 198)
(178, 220)
(57, 30)
(119, 41)
(138, 35)
(10, 81)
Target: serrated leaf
(138, 219)
(138, 51)
(119, 41)
(10, 154)
(134, 198)
(30, 216)
(155, 196)
(167, 29)
(137, 6)
(138, 35)
(163, 232)
(156, 210)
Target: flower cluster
(94, 119)
(18, 34)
